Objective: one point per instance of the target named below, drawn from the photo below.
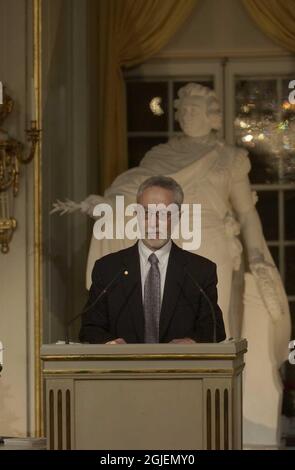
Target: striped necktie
(152, 301)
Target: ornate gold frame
(37, 73)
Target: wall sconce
(12, 154)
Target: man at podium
(154, 291)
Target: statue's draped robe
(206, 169)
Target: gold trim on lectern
(48, 372)
(37, 73)
(139, 357)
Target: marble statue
(250, 291)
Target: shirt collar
(162, 253)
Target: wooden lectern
(144, 396)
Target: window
(261, 119)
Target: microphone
(98, 298)
(197, 285)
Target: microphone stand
(196, 284)
(101, 294)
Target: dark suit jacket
(185, 311)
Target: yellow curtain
(276, 18)
(130, 32)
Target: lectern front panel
(139, 414)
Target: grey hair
(192, 90)
(164, 182)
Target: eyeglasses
(161, 214)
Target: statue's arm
(87, 206)
(243, 204)
(265, 272)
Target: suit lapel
(132, 288)
(175, 275)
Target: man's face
(157, 223)
(193, 117)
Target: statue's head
(198, 110)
